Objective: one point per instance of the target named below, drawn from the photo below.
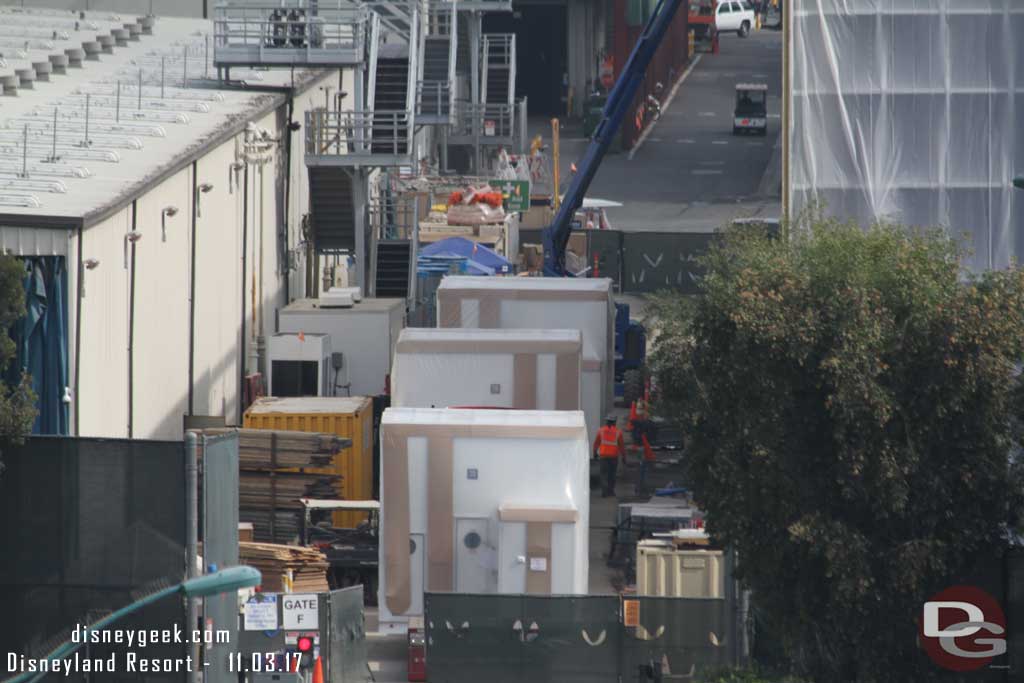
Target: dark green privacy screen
(573, 639)
(88, 526)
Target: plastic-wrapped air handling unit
(481, 501)
(583, 304)
(465, 367)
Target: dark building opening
(541, 55)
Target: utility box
(558, 303)
(350, 418)
(299, 365)
(365, 334)
(459, 367)
(662, 570)
(481, 501)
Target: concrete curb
(664, 108)
(771, 181)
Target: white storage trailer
(521, 369)
(481, 501)
(365, 334)
(583, 304)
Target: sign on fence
(301, 611)
(515, 192)
(261, 612)
(630, 612)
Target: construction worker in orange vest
(610, 448)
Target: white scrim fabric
(911, 110)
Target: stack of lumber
(287, 524)
(305, 568)
(276, 468)
(282, 490)
(264, 449)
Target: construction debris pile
(286, 568)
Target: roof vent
(134, 31)
(60, 63)
(120, 36)
(26, 77)
(147, 24)
(106, 44)
(43, 70)
(10, 84)
(76, 56)
(92, 50)
(13, 199)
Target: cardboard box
(537, 217)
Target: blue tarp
(41, 340)
(480, 259)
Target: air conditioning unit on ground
(300, 365)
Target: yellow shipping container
(349, 418)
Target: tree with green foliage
(852, 404)
(17, 404)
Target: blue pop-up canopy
(476, 254)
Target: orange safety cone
(632, 417)
(318, 671)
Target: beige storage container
(664, 571)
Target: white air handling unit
(556, 303)
(300, 365)
(481, 501)
(521, 369)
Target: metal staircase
(332, 209)
(435, 92)
(379, 131)
(498, 68)
(395, 228)
(493, 120)
(391, 129)
(393, 265)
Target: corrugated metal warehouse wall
(162, 276)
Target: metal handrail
(440, 17)
(357, 132)
(498, 50)
(272, 26)
(471, 118)
(394, 219)
(438, 93)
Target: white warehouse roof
(134, 141)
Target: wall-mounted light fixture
(203, 188)
(132, 236)
(233, 170)
(165, 213)
(90, 264)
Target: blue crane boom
(556, 235)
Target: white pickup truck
(735, 15)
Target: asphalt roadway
(692, 174)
